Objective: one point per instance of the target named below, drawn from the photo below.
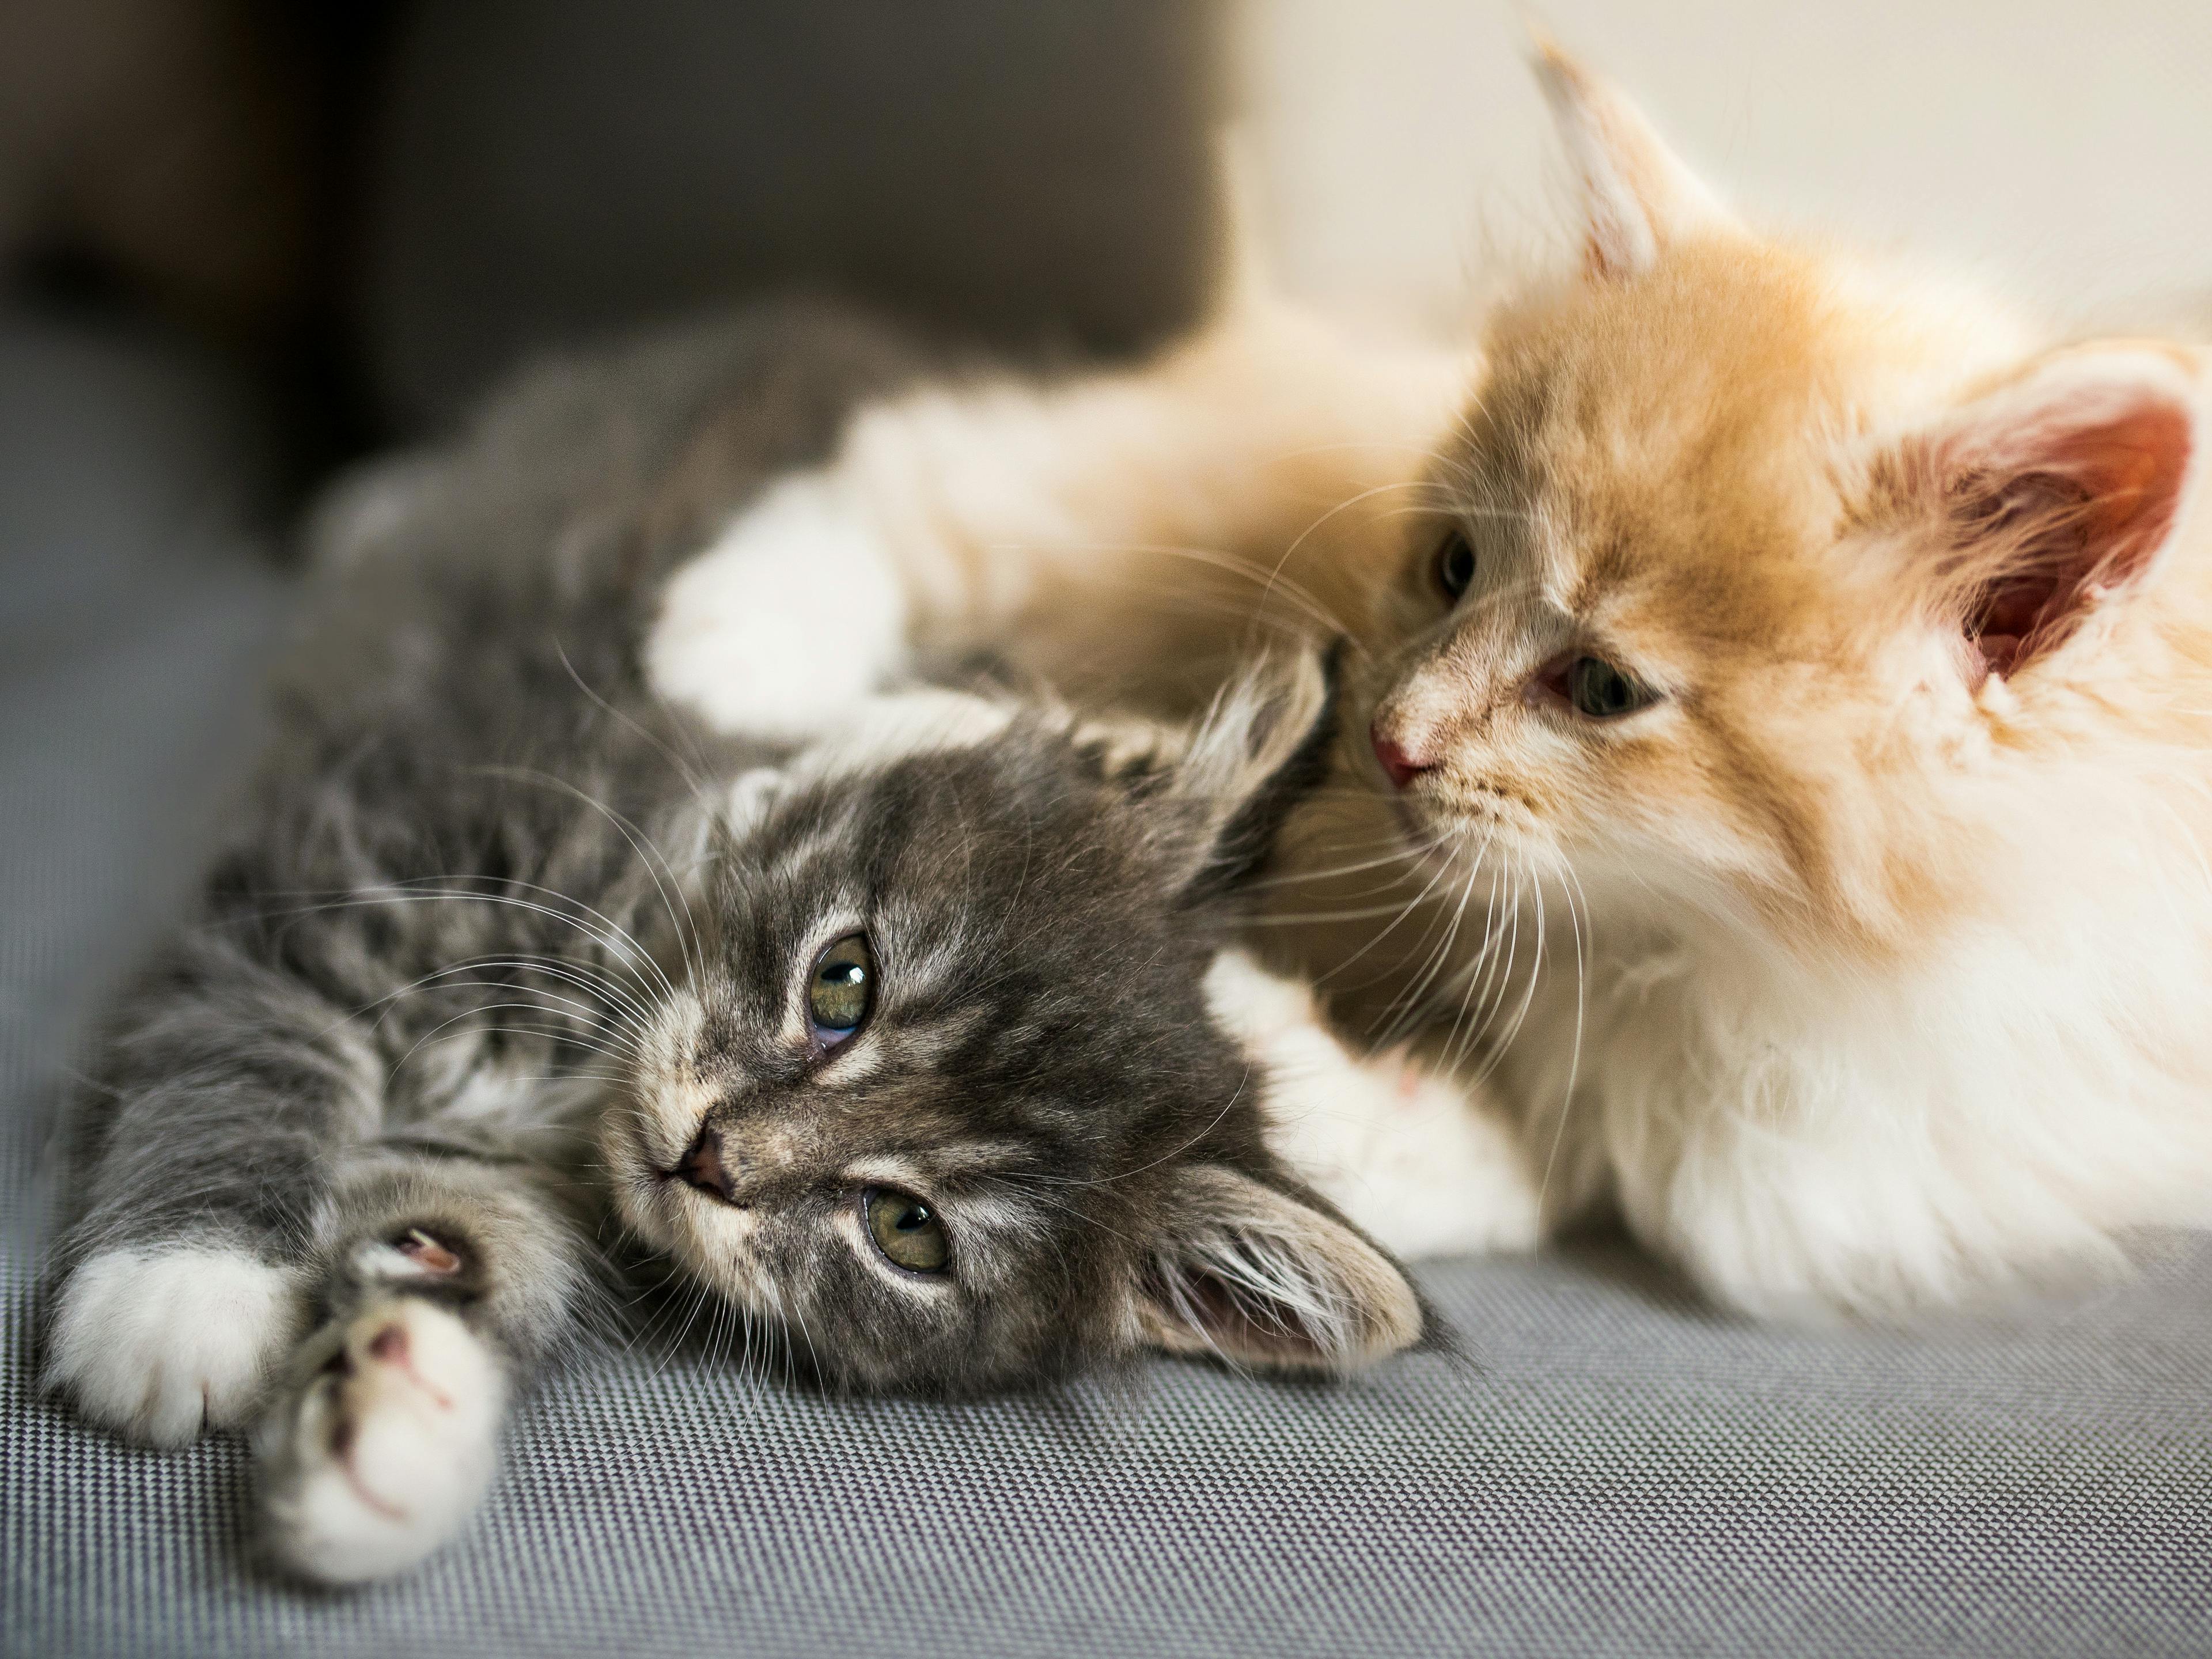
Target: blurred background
(371, 207)
(245, 242)
(2064, 148)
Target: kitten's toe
(158, 1344)
(387, 1449)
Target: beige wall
(2070, 146)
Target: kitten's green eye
(906, 1229)
(1455, 565)
(842, 988)
(1602, 692)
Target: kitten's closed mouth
(1429, 851)
(1430, 835)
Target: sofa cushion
(1613, 1468)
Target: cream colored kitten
(1791, 720)
(1838, 656)
(1131, 534)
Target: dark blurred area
(244, 243)
(366, 210)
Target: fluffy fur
(1866, 961)
(502, 961)
(1858, 957)
(1126, 537)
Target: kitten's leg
(1120, 529)
(445, 1286)
(200, 1167)
(1401, 1149)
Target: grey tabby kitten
(900, 1039)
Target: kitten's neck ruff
(1809, 1133)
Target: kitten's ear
(2055, 493)
(1266, 1279)
(1261, 749)
(1638, 196)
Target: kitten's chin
(1431, 850)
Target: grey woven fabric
(1620, 1471)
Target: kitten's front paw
(158, 1344)
(1408, 1156)
(387, 1447)
(1403, 1150)
(788, 620)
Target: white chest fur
(1812, 1141)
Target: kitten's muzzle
(703, 1166)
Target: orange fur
(1926, 604)
(1685, 466)
(1865, 967)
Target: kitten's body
(503, 963)
(1897, 930)
(1862, 968)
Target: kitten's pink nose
(702, 1166)
(1403, 767)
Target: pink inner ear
(2061, 509)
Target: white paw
(784, 623)
(1258, 1007)
(1405, 1153)
(387, 1449)
(159, 1345)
